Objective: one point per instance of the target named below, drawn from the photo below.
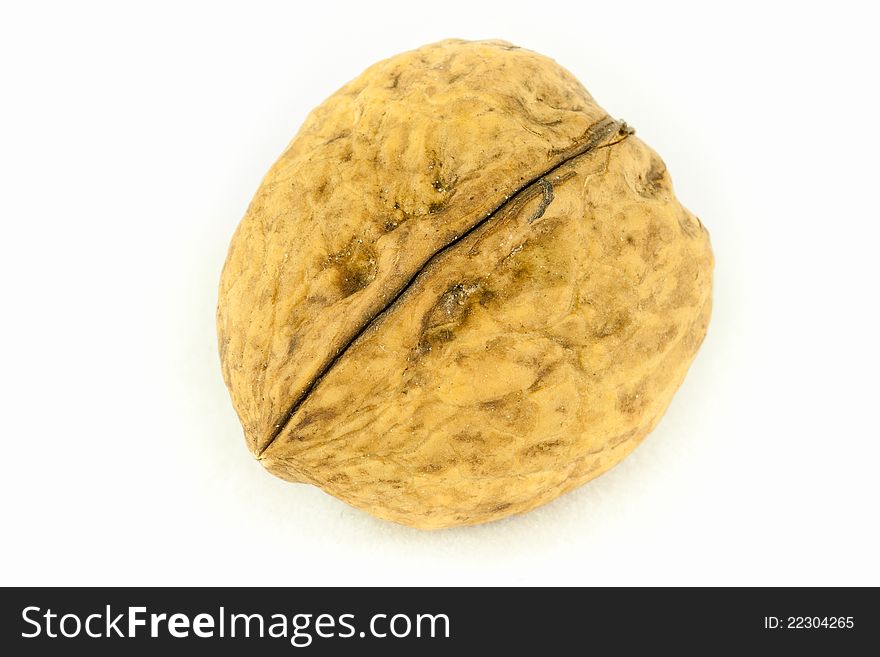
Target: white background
(132, 138)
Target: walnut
(461, 291)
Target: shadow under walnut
(462, 291)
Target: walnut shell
(461, 291)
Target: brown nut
(461, 291)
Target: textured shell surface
(461, 291)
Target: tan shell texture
(461, 291)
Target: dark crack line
(599, 135)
